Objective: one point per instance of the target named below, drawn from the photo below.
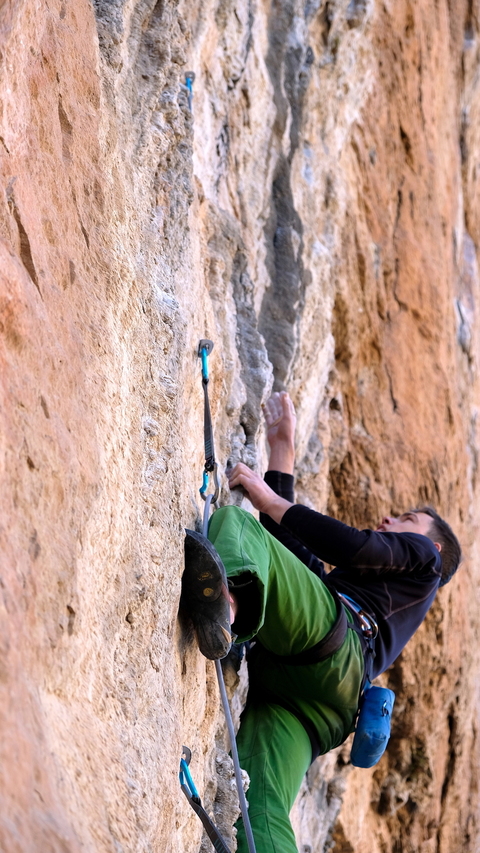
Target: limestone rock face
(313, 209)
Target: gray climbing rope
(228, 718)
(203, 352)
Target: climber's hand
(281, 421)
(261, 496)
(280, 418)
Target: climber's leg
(300, 608)
(275, 751)
(289, 609)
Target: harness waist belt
(327, 646)
(364, 624)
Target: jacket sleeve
(283, 485)
(341, 545)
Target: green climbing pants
(289, 609)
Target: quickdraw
(188, 787)
(204, 349)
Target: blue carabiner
(189, 78)
(204, 356)
(204, 485)
(186, 779)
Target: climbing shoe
(205, 596)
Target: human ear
(438, 546)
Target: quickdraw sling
(188, 787)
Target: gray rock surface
(314, 210)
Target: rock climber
(266, 580)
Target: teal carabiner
(189, 78)
(203, 488)
(186, 779)
(204, 357)
(204, 485)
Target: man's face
(409, 522)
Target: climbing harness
(366, 744)
(188, 787)
(204, 349)
(364, 625)
(189, 78)
(326, 647)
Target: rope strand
(228, 718)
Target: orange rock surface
(315, 212)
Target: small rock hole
(71, 619)
(44, 406)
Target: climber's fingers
(273, 410)
(280, 419)
(260, 495)
(277, 407)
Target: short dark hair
(441, 532)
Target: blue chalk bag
(373, 726)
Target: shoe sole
(205, 596)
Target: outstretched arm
(275, 502)
(306, 533)
(309, 534)
(281, 422)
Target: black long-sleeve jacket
(393, 576)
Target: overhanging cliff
(316, 214)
